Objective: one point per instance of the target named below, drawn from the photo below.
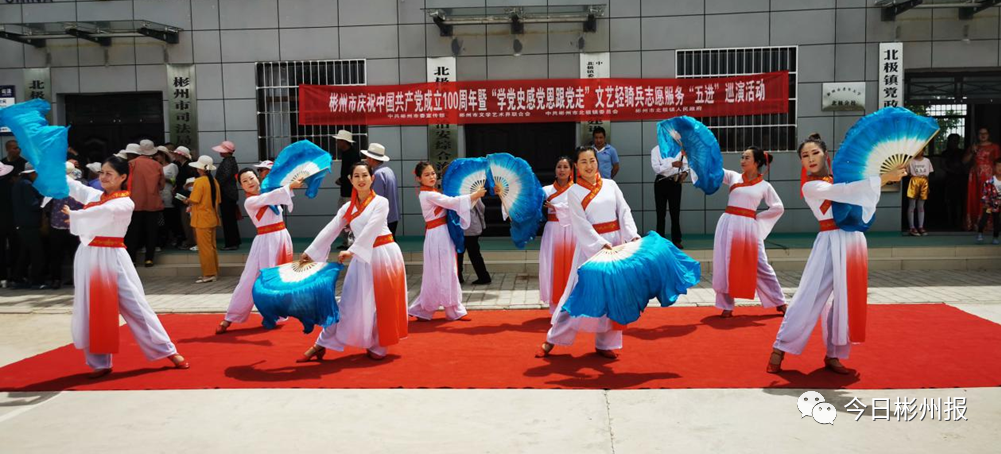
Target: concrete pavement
(474, 421)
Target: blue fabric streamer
(311, 300)
(699, 145)
(621, 288)
(42, 145)
(873, 139)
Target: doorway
(102, 124)
(538, 143)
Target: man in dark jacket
(27, 204)
(228, 208)
(349, 156)
(8, 235)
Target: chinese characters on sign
(538, 101)
(443, 138)
(182, 105)
(38, 84)
(909, 409)
(843, 96)
(6, 99)
(891, 75)
(594, 66)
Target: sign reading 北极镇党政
(540, 101)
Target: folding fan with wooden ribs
(878, 143)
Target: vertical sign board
(891, 75)
(38, 84)
(182, 110)
(6, 99)
(891, 87)
(594, 66)
(443, 139)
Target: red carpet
(909, 346)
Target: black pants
(171, 234)
(667, 194)
(8, 250)
(392, 227)
(230, 227)
(61, 244)
(995, 218)
(473, 247)
(142, 232)
(31, 254)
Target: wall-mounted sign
(182, 105)
(6, 99)
(843, 96)
(443, 138)
(37, 84)
(891, 75)
(543, 101)
(594, 66)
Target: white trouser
(564, 331)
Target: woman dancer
(739, 245)
(271, 247)
(440, 284)
(557, 249)
(981, 157)
(106, 280)
(600, 218)
(838, 264)
(373, 305)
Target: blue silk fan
(878, 143)
(464, 176)
(302, 159)
(42, 145)
(689, 136)
(521, 195)
(306, 292)
(618, 283)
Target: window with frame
(278, 103)
(773, 132)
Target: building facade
(237, 48)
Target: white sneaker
(980, 237)
(193, 249)
(158, 249)
(995, 241)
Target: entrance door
(538, 143)
(102, 124)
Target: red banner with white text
(545, 100)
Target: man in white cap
(264, 168)
(348, 155)
(147, 180)
(27, 207)
(131, 151)
(384, 181)
(94, 179)
(229, 211)
(8, 234)
(182, 157)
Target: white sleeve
(83, 193)
(864, 193)
(461, 205)
(625, 216)
(767, 219)
(587, 238)
(319, 249)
